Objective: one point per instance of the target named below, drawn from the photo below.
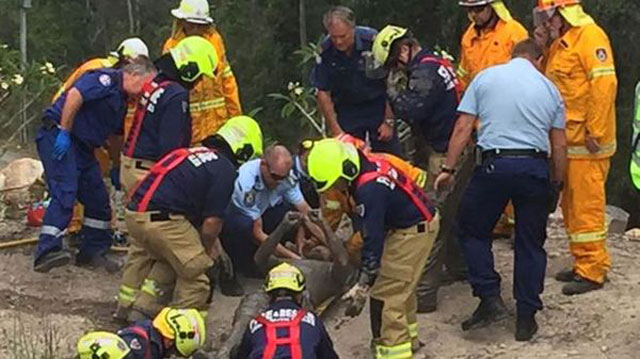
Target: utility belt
(139, 164)
(421, 227)
(49, 124)
(481, 156)
(156, 216)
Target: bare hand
(541, 36)
(592, 144)
(290, 220)
(385, 132)
(443, 180)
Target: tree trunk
(131, 20)
(302, 20)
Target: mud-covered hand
(224, 263)
(356, 299)
(291, 220)
(62, 144)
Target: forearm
(558, 154)
(209, 235)
(268, 247)
(71, 107)
(602, 98)
(459, 139)
(327, 109)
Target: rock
(633, 234)
(617, 219)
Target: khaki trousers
(133, 170)
(393, 295)
(175, 250)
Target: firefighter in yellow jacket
(580, 63)
(489, 39)
(129, 49)
(213, 100)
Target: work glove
(114, 174)
(62, 145)
(356, 297)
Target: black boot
(580, 285)
(428, 303)
(51, 260)
(566, 275)
(109, 263)
(526, 327)
(489, 310)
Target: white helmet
(194, 11)
(132, 48)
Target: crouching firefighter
(285, 330)
(174, 332)
(161, 124)
(399, 226)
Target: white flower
(4, 85)
(18, 79)
(291, 86)
(4, 46)
(50, 68)
(298, 91)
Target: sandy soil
(604, 324)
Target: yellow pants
(133, 170)
(583, 207)
(393, 295)
(174, 250)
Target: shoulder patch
(105, 80)
(135, 344)
(601, 54)
(250, 198)
(360, 210)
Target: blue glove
(114, 174)
(62, 145)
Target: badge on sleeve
(135, 344)
(105, 80)
(360, 210)
(601, 54)
(250, 198)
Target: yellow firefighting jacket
(488, 48)
(581, 65)
(213, 100)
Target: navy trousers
(76, 176)
(524, 181)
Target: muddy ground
(50, 311)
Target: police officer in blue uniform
(285, 330)
(264, 191)
(349, 100)
(73, 126)
(522, 117)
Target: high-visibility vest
(272, 341)
(159, 171)
(151, 92)
(635, 144)
(385, 169)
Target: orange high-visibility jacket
(580, 64)
(213, 100)
(97, 63)
(488, 48)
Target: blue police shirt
(381, 206)
(430, 100)
(359, 101)
(140, 345)
(199, 187)
(517, 106)
(314, 339)
(167, 123)
(103, 109)
(252, 198)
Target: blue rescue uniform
(77, 175)
(166, 125)
(430, 101)
(380, 207)
(199, 187)
(144, 341)
(359, 101)
(313, 342)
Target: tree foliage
(262, 38)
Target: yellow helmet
(194, 56)
(244, 136)
(102, 345)
(194, 11)
(385, 38)
(184, 326)
(330, 160)
(284, 276)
